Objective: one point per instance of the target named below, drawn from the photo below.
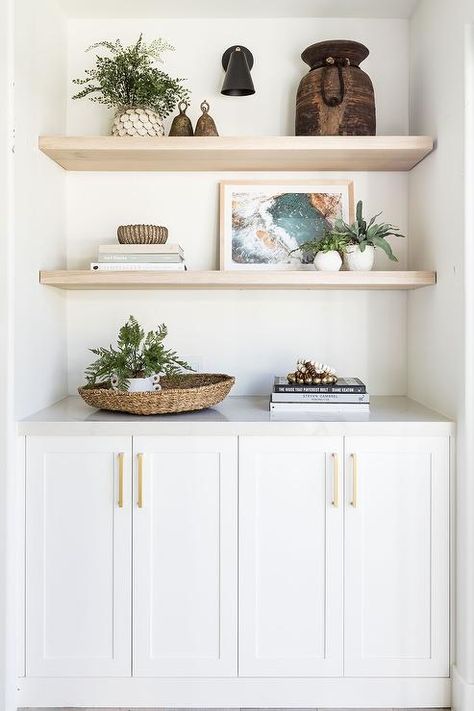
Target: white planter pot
(327, 261)
(140, 385)
(135, 121)
(357, 261)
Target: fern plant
(137, 355)
(329, 242)
(129, 77)
(363, 233)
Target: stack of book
(136, 257)
(346, 395)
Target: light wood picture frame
(262, 221)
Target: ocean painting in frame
(263, 222)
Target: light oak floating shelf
(236, 280)
(221, 153)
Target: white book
(316, 407)
(167, 248)
(320, 398)
(140, 258)
(137, 267)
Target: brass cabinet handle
(121, 457)
(140, 481)
(335, 482)
(354, 480)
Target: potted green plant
(129, 82)
(136, 363)
(326, 252)
(363, 237)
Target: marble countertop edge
(239, 416)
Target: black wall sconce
(237, 62)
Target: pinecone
(310, 372)
(137, 122)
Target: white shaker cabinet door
(185, 556)
(397, 556)
(291, 512)
(78, 556)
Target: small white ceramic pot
(140, 385)
(327, 261)
(357, 261)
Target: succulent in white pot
(129, 82)
(327, 251)
(329, 261)
(359, 258)
(136, 363)
(363, 238)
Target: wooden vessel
(336, 97)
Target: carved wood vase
(336, 97)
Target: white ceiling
(239, 8)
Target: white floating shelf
(222, 153)
(86, 279)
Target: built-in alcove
(400, 341)
(363, 333)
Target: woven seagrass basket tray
(182, 393)
(142, 234)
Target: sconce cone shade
(237, 61)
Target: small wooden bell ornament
(181, 125)
(205, 125)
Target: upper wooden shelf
(86, 279)
(222, 153)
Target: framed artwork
(262, 222)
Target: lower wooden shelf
(86, 279)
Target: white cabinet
(291, 525)
(78, 556)
(185, 556)
(133, 566)
(396, 620)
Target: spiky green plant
(365, 233)
(136, 356)
(129, 78)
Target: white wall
(252, 335)
(440, 324)
(276, 45)
(40, 103)
(8, 479)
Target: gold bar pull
(354, 480)
(335, 483)
(121, 457)
(140, 481)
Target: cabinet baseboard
(463, 692)
(236, 693)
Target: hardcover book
(334, 398)
(133, 258)
(315, 407)
(141, 248)
(342, 385)
(137, 267)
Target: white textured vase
(357, 261)
(137, 122)
(140, 385)
(327, 261)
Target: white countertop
(239, 415)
